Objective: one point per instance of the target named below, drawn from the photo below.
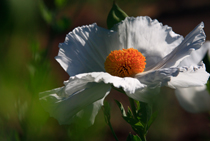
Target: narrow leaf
(121, 108)
(139, 124)
(129, 112)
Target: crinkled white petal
(82, 96)
(128, 84)
(196, 56)
(192, 76)
(86, 117)
(150, 37)
(85, 49)
(192, 41)
(70, 105)
(157, 78)
(154, 80)
(195, 99)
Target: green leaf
(145, 112)
(129, 112)
(130, 120)
(46, 14)
(133, 138)
(134, 123)
(152, 119)
(106, 110)
(115, 16)
(139, 124)
(121, 108)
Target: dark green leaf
(134, 123)
(145, 112)
(152, 119)
(137, 105)
(139, 124)
(115, 16)
(129, 120)
(129, 112)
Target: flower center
(125, 62)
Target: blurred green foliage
(28, 31)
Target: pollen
(125, 62)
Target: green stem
(143, 137)
(133, 107)
(112, 131)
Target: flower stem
(107, 116)
(143, 137)
(112, 131)
(133, 107)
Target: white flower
(195, 99)
(84, 52)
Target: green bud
(115, 16)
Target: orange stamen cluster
(125, 63)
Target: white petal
(82, 93)
(128, 84)
(192, 41)
(85, 49)
(147, 95)
(190, 77)
(157, 78)
(154, 80)
(150, 37)
(83, 101)
(86, 117)
(194, 100)
(196, 56)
